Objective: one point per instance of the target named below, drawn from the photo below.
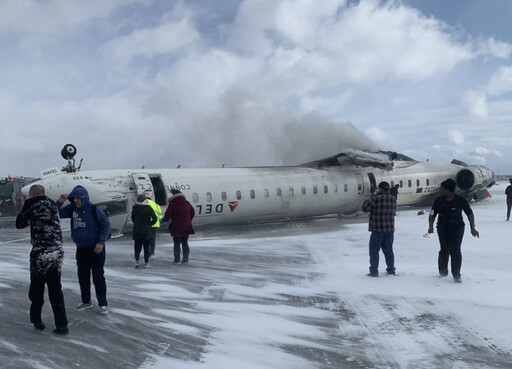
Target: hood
(81, 193)
(178, 198)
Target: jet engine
(474, 178)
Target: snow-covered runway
(277, 296)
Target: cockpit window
(113, 207)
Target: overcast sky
(253, 82)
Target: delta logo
(233, 205)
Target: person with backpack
(450, 227)
(90, 229)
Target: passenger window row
(266, 192)
(409, 183)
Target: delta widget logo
(233, 205)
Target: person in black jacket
(508, 192)
(46, 257)
(450, 227)
(143, 217)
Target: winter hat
(141, 200)
(449, 185)
(384, 185)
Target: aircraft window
(265, 193)
(303, 190)
(392, 184)
(112, 208)
(278, 192)
(238, 195)
(253, 195)
(409, 182)
(401, 184)
(224, 196)
(417, 183)
(326, 189)
(195, 197)
(335, 188)
(428, 182)
(315, 190)
(359, 187)
(345, 187)
(209, 196)
(290, 190)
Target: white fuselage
(240, 195)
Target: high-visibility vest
(158, 211)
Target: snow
(279, 296)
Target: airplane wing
(382, 160)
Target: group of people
(450, 227)
(146, 216)
(90, 229)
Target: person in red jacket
(180, 213)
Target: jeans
(177, 251)
(36, 296)
(87, 260)
(384, 241)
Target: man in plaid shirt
(382, 208)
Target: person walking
(450, 227)
(394, 191)
(90, 229)
(508, 192)
(143, 217)
(382, 208)
(46, 257)
(181, 213)
(158, 212)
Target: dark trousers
(152, 243)
(509, 206)
(384, 241)
(183, 241)
(138, 244)
(88, 261)
(450, 240)
(36, 296)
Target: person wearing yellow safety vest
(158, 212)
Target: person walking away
(143, 217)
(90, 229)
(394, 191)
(508, 192)
(181, 213)
(158, 212)
(382, 208)
(46, 257)
(450, 227)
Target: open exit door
(143, 185)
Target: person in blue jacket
(89, 232)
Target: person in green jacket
(158, 212)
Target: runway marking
(13, 241)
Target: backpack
(95, 216)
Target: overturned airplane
(335, 185)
